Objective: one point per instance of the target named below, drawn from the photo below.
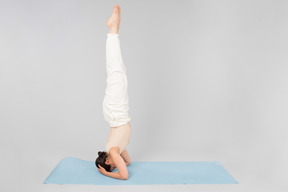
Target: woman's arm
(125, 156)
(115, 175)
(120, 164)
(110, 174)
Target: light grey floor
(207, 81)
(28, 173)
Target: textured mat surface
(71, 170)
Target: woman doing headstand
(115, 106)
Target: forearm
(126, 157)
(115, 175)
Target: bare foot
(114, 21)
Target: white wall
(207, 81)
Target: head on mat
(105, 161)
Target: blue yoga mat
(71, 170)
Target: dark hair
(102, 156)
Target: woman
(115, 106)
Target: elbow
(125, 177)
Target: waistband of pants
(121, 117)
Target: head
(105, 161)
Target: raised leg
(116, 100)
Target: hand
(101, 170)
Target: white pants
(115, 103)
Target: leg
(116, 100)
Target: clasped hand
(101, 170)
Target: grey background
(207, 81)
